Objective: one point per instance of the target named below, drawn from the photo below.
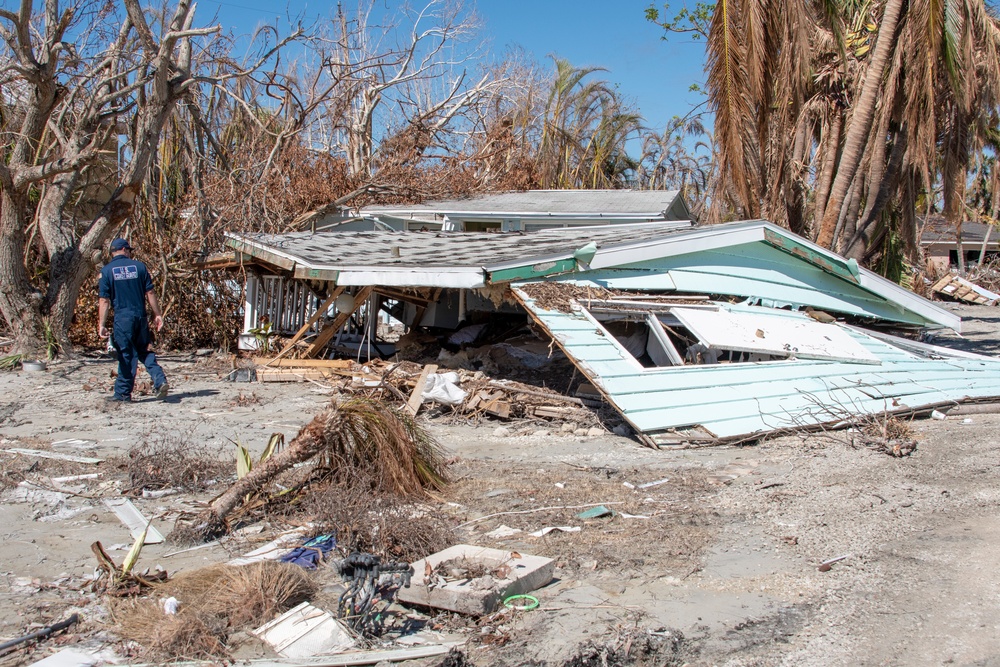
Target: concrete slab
(474, 580)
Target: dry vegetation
(169, 461)
(214, 602)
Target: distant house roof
(532, 208)
(938, 230)
(608, 203)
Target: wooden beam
(401, 296)
(340, 320)
(307, 363)
(416, 398)
(305, 327)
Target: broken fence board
(289, 374)
(130, 515)
(553, 412)
(417, 397)
(54, 455)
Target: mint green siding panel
(739, 400)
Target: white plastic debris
(443, 388)
(549, 529)
(502, 531)
(938, 415)
(170, 606)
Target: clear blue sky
(615, 35)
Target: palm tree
(585, 126)
(878, 102)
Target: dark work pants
(130, 337)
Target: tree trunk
(859, 128)
(857, 247)
(850, 225)
(829, 161)
(19, 300)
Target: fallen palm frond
(212, 603)
(11, 362)
(358, 440)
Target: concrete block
(498, 575)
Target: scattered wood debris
(961, 289)
(403, 384)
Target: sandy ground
(718, 565)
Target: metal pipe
(38, 634)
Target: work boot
(162, 390)
(117, 399)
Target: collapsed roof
(709, 334)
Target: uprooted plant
(172, 461)
(885, 433)
(358, 441)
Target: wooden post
(331, 328)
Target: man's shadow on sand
(177, 398)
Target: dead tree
(87, 89)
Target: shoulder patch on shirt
(125, 272)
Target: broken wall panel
(752, 270)
(740, 400)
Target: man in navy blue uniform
(126, 286)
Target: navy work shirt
(125, 282)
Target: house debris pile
(458, 395)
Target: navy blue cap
(120, 244)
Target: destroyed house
(939, 242)
(694, 335)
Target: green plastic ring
(531, 602)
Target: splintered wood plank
(416, 398)
(53, 455)
(290, 374)
(333, 327)
(498, 408)
(312, 320)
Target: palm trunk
(306, 444)
(859, 128)
(829, 160)
(857, 247)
